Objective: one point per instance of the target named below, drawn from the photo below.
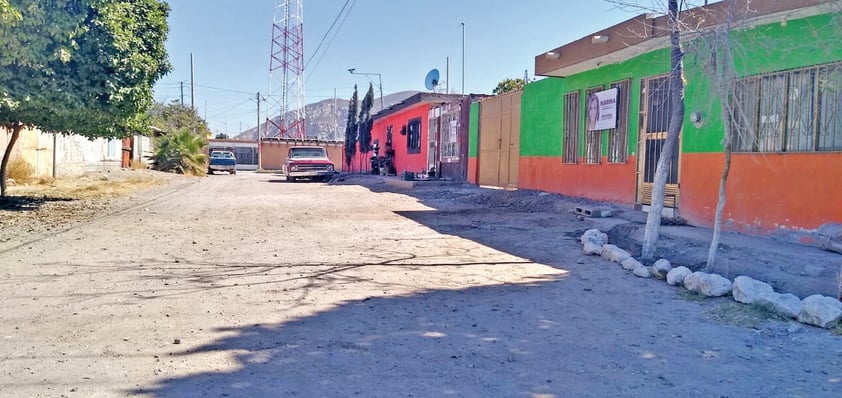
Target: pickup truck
(222, 161)
(308, 162)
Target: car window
(306, 153)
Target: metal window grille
(572, 124)
(618, 138)
(413, 136)
(593, 139)
(792, 111)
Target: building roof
(415, 99)
(647, 32)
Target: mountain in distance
(326, 119)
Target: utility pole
(182, 93)
(257, 99)
(192, 86)
(463, 58)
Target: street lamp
(379, 82)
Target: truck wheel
(233, 171)
(210, 172)
(290, 179)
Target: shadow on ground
(500, 341)
(792, 268)
(27, 203)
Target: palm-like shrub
(180, 152)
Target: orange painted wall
(605, 182)
(472, 170)
(403, 160)
(766, 192)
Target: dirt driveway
(248, 286)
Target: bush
(20, 170)
(180, 152)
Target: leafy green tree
(221, 136)
(181, 152)
(351, 128)
(508, 85)
(365, 121)
(176, 116)
(79, 66)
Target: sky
(402, 40)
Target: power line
(225, 89)
(327, 33)
(335, 32)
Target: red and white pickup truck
(308, 162)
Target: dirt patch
(49, 205)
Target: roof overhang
(648, 32)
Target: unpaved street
(249, 286)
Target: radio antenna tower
(286, 71)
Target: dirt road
(248, 286)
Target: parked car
(222, 161)
(308, 162)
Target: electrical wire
(335, 32)
(316, 51)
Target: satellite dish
(432, 79)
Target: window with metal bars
(792, 111)
(413, 136)
(593, 139)
(618, 138)
(572, 125)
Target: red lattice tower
(286, 72)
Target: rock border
(816, 310)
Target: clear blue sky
(402, 40)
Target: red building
(425, 133)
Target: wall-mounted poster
(602, 110)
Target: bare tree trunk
(653, 220)
(720, 204)
(16, 129)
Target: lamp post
(353, 71)
(463, 57)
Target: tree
(508, 85)
(221, 136)
(79, 66)
(366, 122)
(351, 128)
(176, 116)
(181, 152)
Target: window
(618, 138)
(450, 137)
(793, 111)
(572, 124)
(593, 139)
(413, 136)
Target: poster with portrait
(602, 110)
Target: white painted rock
(713, 285)
(630, 264)
(661, 268)
(788, 305)
(642, 272)
(821, 311)
(692, 281)
(676, 275)
(615, 254)
(746, 289)
(593, 240)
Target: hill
(326, 119)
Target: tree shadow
(28, 203)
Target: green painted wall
(768, 48)
(763, 49)
(542, 107)
(473, 130)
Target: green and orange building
(784, 92)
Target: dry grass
(92, 185)
(20, 170)
(744, 315)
